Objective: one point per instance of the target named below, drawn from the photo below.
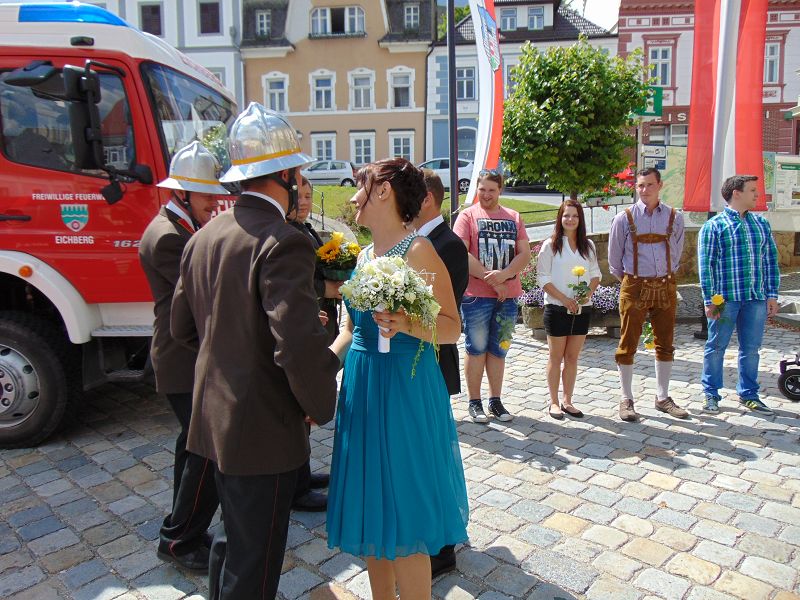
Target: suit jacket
(453, 253)
(246, 300)
(160, 254)
(326, 304)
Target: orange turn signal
(25, 271)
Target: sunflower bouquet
(337, 257)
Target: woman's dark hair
(582, 242)
(407, 181)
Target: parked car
(331, 172)
(441, 166)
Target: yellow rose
(717, 300)
(578, 270)
(337, 237)
(505, 344)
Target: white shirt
(557, 269)
(430, 226)
(268, 199)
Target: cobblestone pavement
(702, 509)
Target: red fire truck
(91, 111)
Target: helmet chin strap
(291, 188)
(186, 203)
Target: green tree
(569, 118)
(460, 13)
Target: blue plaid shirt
(738, 258)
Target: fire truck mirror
(82, 89)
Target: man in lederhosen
(644, 251)
(193, 174)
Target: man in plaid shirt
(739, 276)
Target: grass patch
(337, 198)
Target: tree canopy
(569, 118)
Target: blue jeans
(481, 328)
(749, 319)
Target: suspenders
(650, 238)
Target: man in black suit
(453, 253)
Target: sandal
(572, 411)
(556, 416)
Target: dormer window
(263, 23)
(535, 17)
(411, 12)
(508, 19)
(345, 20)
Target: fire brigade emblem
(75, 216)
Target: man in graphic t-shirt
(498, 250)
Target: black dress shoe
(311, 502)
(319, 481)
(195, 561)
(444, 562)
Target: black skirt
(558, 322)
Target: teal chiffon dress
(397, 482)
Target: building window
(411, 16)
(772, 61)
(465, 83)
(401, 144)
(660, 62)
(276, 86)
(508, 19)
(658, 134)
(355, 19)
(210, 22)
(337, 21)
(320, 21)
(323, 146)
(536, 17)
(401, 80)
(263, 23)
(511, 82)
(219, 73)
(362, 148)
(150, 19)
(362, 83)
(678, 135)
(322, 85)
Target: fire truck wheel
(33, 382)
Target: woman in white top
(568, 272)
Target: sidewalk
(702, 509)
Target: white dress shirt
(430, 226)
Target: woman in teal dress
(397, 492)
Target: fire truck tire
(34, 388)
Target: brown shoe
(626, 412)
(668, 406)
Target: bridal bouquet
(387, 283)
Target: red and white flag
(725, 125)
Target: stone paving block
(737, 501)
(714, 512)
(342, 567)
(595, 513)
(607, 536)
(66, 497)
(37, 529)
(601, 496)
(163, 583)
(566, 524)
(14, 560)
(636, 507)
(580, 550)
(691, 567)
(83, 573)
(101, 534)
(124, 505)
(768, 548)
(314, 552)
(606, 588)
(633, 525)
(560, 570)
(635, 489)
(660, 480)
(740, 586)
(539, 536)
(704, 593)
(120, 547)
(756, 524)
(780, 512)
(53, 542)
(697, 490)
(662, 583)
(530, 511)
(768, 571)
(718, 554)
(133, 565)
(455, 587)
(29, 515)
(561, 502)
(475, 563)
(297, 581)
(716, 532)
(55, 562)
(674, 518)
(647, 551)
(16, 581)
(42, 591)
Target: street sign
(655, 103)
(654, 151)
(658, 163)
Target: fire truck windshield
(187, 110)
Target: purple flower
(533, 297)
(606, 298)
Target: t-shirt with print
(492, 238)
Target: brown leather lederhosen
(655, 290)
